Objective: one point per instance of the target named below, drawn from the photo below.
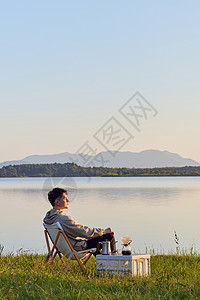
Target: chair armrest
(87, 250)
(92, 250)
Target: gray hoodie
(77, 233)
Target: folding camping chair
(62, 246)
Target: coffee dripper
(126, 249)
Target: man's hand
(109, 230)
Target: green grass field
(26, 277)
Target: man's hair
(55, 194)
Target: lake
(148, 210)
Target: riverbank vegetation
(73, 170)
(26, 277)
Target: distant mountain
(148, 159)
(143, 159)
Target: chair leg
(47, 258)
(61, 257)
(54, 245)
(67, 263)
(50, 256)
(55, 254)
(47, 241)
(88, 257)
(80, 262)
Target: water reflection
(146, 209)
(148, 196)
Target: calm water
(146, 209)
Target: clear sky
(67, 67)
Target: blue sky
(67, 67)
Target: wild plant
(176, 240)
(1, 249)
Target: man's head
(58, 198)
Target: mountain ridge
(149, 158)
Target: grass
(26, 277)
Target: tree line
(73, 170)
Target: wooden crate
(134, 265)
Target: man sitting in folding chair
(81, 237)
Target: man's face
(63, 201)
